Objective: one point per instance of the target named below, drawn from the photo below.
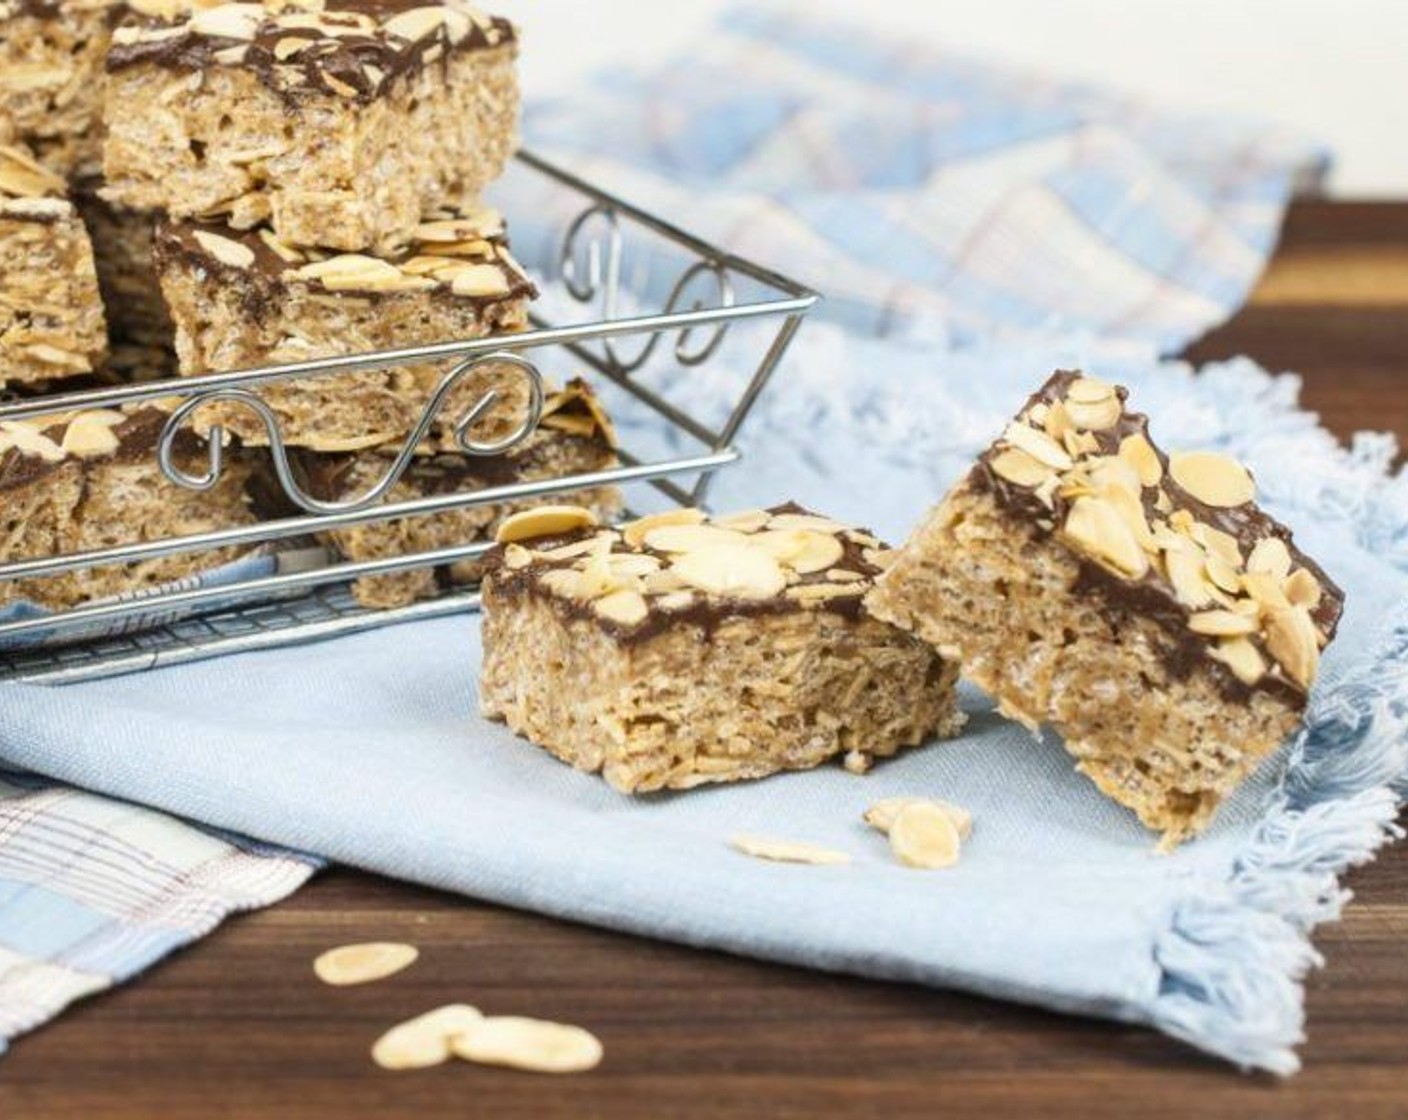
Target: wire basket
(666, 309)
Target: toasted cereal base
(51, 82)
(51, 317)
(762, 694)
(986, 589)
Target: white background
(1335, 69)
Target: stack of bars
(249, 184)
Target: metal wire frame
(590, 263)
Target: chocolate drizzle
(705, 612)
(137, 436)
(265, 283)
(363, 61)
(1152, 596)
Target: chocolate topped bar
(678, 649)
(1178, 539)
(338, 123)
(350, 48)
(1138, 601)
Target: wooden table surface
(237, 1025)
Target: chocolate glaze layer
(1152, 596)
(263, 285)
(706, 612)
(343, 58)
(137, 437)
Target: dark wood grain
(238, 1027)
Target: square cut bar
(1140, 603)
(51, 79)
(339, 123)
(241, 299)
(89, 480)
(574, 437)
(676, 651)
(51, 316)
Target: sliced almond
(802, 550)
(1302, 589)
(1266, 589)
(786, 851)
(806, 522)
(1222, 624)
(625, 607)
(1097, 529)
(1270, 555)
(1020, 468)
(634, 531)
(516, 557)
(730, 570)
(1243, 658)
(1056, 422)
(1185, 568)
(363, 963)
(529, 1044)
(1090, 390)
(30, 441)
(1291, 638)
(89, 435)
(415, 24)
(544, 521)
(480, 280)
(881, 815)
(427, 1039)
(1038, 445)
(664, 582)
(1139, 453)
(1096, 416)
(1217, 542)
(280, 249)
(223, 249)
(1223, 575)
(228, 21)
(633, 563)
(565, 582)
(922, 835)
(744, 521)
(1214, 479)
(684, 537)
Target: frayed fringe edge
(1233, 961)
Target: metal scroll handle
(278, 452)
(590, 264)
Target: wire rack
(597, 252)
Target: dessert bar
(339, 123)
(244, 298)
(51, 79)
(1139, 602)
(678, 650)
(89, 480)
(51, 316)
(574, 437)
